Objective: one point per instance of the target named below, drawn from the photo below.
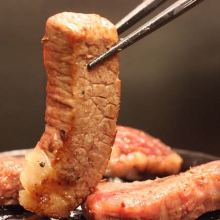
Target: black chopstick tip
(89, 67)
(92, 64)
(97, 60)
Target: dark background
(170, 80)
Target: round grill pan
(191, 158)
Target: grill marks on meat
(81, 112)
(10, 169)
(200, 186)
(184, 196)
(136, 154)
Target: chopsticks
(145, 8)
(167, 15)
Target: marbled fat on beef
(135, 155)
(184, 196)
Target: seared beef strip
(184, 196)
(136, 154)
(81, 111)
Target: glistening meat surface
(136, 154)
(81, 111)
(184, 196)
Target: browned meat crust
(81, 111)
(10, 169)
(184, 196)
(136, 154)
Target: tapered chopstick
(153, 24)
(137, 14)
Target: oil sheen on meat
(185, 196)
(81, 111)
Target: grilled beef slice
(184, 196)
(81, 111)
(137, 155)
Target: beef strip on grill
(185, 196)
(137, 155)
(81, 111)
(10, 169)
